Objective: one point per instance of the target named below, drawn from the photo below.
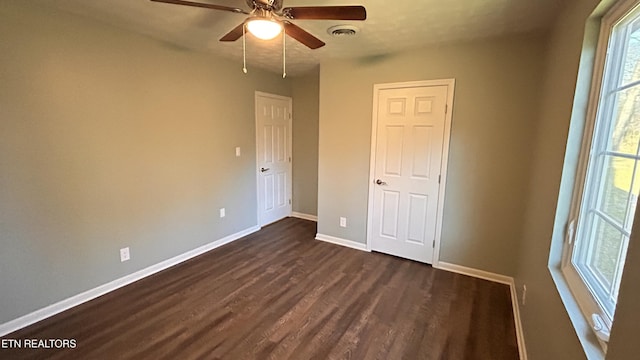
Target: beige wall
(549, 332)
(305, 90)
(110, 139)
(494, 111)
(624, 342)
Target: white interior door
(273, 144)
(407, 169)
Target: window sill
(587, 338)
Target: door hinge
(289, 201)
(446, 108)
(439, 178)
(289, 158)
(434, 244)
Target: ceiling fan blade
(325, 13)
(302, 36)
(201, 5)
(234, 34)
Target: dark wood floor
(280, 294)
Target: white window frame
(601, 324)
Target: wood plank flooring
(280, 294)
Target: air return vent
(342, 30)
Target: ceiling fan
(268, 18)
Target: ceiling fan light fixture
(263, 28)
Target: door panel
(267, 144)
(390, 207)
(393, 148)
(418, 206)
(282, 189)
(421, 156)
(273, 127)
(408, 159)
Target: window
(605, 203)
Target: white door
(407, 169)
(273, 144)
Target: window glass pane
(619, 266)
(625, 132)
(617, 175)
(603, 258)
(631, 67)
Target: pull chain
(244, 50)
(284, 54)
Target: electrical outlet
(124, 254)
(238, 151)
(343, 222)
(524, 294)
(223, 213)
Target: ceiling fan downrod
(244, 50)
(284, 54)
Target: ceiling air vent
(342, 30)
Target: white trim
(522, 349)
(502, 279)
(480, 274)
(450, 83)
(343, 242)
(592, 347)
(304, 216)
(91, 294)
(289, 152)
(586, 304)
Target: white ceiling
(391, 26)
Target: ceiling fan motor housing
(271, 5)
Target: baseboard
(91, 294)
(516, 316)
(344, 242)
(502, 279)
(304, 216)
(480, 274)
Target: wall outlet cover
(124, 254)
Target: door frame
(450, 83)
(289, 100)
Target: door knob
(380, 182)
(264, 169)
